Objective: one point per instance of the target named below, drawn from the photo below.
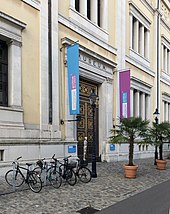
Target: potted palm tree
(158, 135)
(130, 130)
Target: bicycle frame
(44, 166)
(18, 170)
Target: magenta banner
(124, 85)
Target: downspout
(158, 53)
(158, 71)
(50, 61)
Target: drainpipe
(158, 74)
(50, 61)
(158, 52)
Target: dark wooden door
(85, 126)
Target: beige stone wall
(30, 56)
(63, 8)
(66, 32)
(112, 11)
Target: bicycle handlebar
(53, 157)
(67, 157)
(19, 157)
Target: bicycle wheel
(71, 177)
(55, 178)
(34, 182)
(14, 178)
(38, 170)
(84, 174)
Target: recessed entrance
(85, 126)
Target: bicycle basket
(40, 163)
(83, 163)
(71, 165)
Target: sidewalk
(107, 189)
(155, 200)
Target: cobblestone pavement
(108, 188)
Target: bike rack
(78, 118)
(14, 181)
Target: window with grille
(3, 73)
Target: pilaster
(14, 74)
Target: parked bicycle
(65, 170)
(15, 177)
(48, 173)
(82, 172)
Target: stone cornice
(33, 3)
(12, 20)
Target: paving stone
(108, 188)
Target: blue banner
(73, 78)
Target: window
(166, 111)
(92, 10)
(99, 8)
(10, 70)
(89, 19)
(1, 155)
(77, 7)
(165, 59)
(139, 35)
(140, 99)
(140, 39)
(140, 104)
(166, 106)
(3, 74)
(88, 10)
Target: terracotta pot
(130, 171)
(161, 164)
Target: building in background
(114, 37)
(29, 108)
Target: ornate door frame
(85, 126)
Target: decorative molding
(140, 85)
(165, 78)
(165, 11)
(66, 42)
(165, 41)
(139, 15)
(149, 4)
(92, 65)
(14, 42)
(137, 63)
(33, 3)
(165, 25)
(11, 28)
(80, 30)
(12, 20)
(166, 97)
